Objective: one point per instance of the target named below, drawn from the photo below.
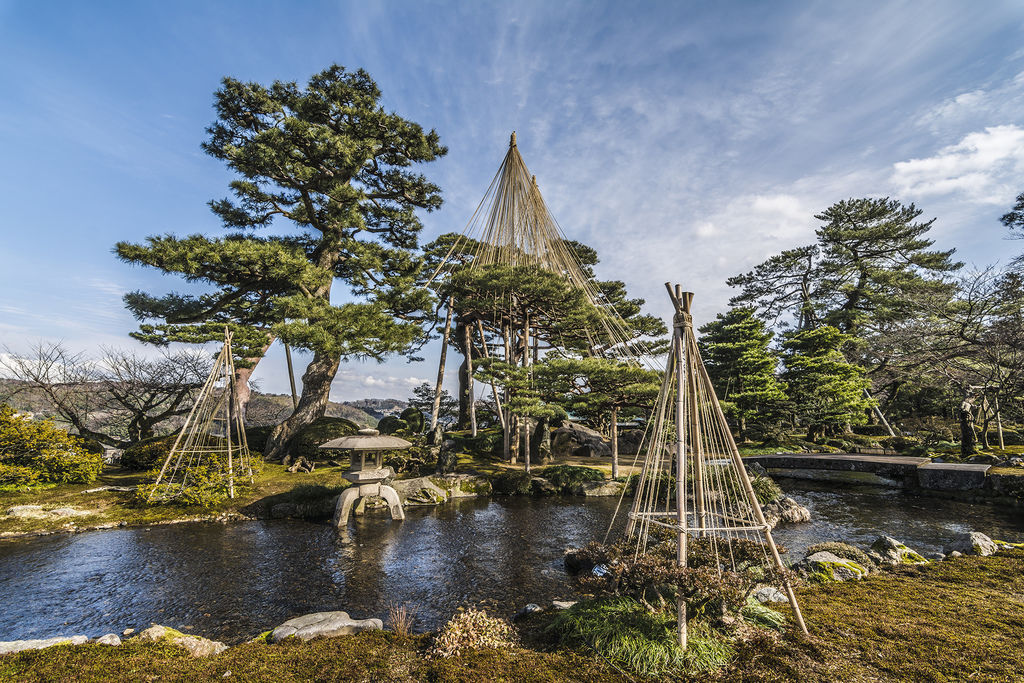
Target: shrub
(568, 478)
(844, 551)
(512, 483)
(413, 418)
(628, 634)
(17, 478)
(389, 424)
(765, 489)
(205, 486)
(871, 430)
(56, 456)
(401, 618)
(256, 437)
(306, 443)
(473, 629)
(91, 445)
(147, 454)
(70, 467)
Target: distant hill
(268, 409)
(378, 407)
(264, 409)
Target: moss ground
(957, 620)
(272, 485)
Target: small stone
(935, 556)
(197, 646)
(972, 543)
(955, 553)
(109, 639)
(127, 632)
(531, 608)
(769, 594)
(26, 511)
(562, 604)
(602, 488)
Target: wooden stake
(494, 387)
(291, 376)
(615, 442)
(467, 344)
(440, 366)
(680, 471)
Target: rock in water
(825, 567)
(196, 645)
(972, 543)
(892, 551)
(18, 645)
(326, 624)
(601, 488)
(785, 510)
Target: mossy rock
(512, 483)
(569, 478)
(844, 551)
(307, 443)
(826, 567)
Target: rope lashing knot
(682, 320)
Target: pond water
(233, 581)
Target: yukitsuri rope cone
(212, 440)
(713, 497)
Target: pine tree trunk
(242, 390)
(316, 389)
(462, 332)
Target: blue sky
(686, 141)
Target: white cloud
(982, 168)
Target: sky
(685, 141)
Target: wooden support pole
(525, 427)
(615, 442)
(440, 366)
(467, 344)
(494, 387)
(681, 382)
(999, 422)
(291, 376)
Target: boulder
(196, 645)
(629, 441)
(578, 441)
(539, 486)
(601, 488)
(972, 543)
(419, 491)
(769, 594)
(7, 647)
(26, 511)
(825, 567)
(785, 510)
(463, 485)
(109, 639)
(540, 441)
(892, 551)
(325, 624)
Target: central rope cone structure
(693, 482)
(211, 449)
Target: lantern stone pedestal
(367, 477)
(367, 483)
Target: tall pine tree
(328, 167)
(826, 390)
(742, 367)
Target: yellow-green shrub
(55, 455)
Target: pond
(230, 582)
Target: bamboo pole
(440, 366)
(291, 376)
(525, 426)
(467, 344)
(494, 387)
(681, 627)
(615, 442)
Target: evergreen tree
(599, 389)
(827, 391)
(872, 261)
(423, 400)
(328, 166)
(742, 367)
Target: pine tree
(742, 367)
(827, 391)
(327, 166)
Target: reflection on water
(233, 581)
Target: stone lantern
(367, 477)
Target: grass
(955, 620)
(273, 485)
